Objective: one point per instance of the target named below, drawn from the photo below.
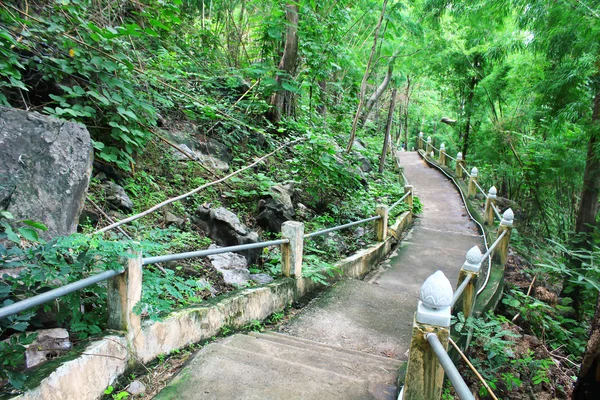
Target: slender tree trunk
(363, 85)
(282, 102)
(380, 89)
(388, 129)
(322, 107)
(469, 109)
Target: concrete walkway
(350, 342)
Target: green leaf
(6, 215)
(29, 234)
(35, 224)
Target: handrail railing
(452, 373)
(399, 201)
(340, 227)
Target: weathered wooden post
(490, 202)
(124, 291)
(424, 374)
(291, 253)
(442, 154)
(382, 223)
(420, 141)
(428, 151)
(459, 163)
(501, 250)
(472, 179)
(409, 199)
(472, 266)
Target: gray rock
(225, 228)
(261, 279)
(359, 232)
(45, 168)
(333, 241)
(172, 219)
(277, 208)
(89, 216)
(136, 387)
(49, 344)
(302, 211)
(233, 267)
(116, 197)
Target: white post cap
(492, 192)
(474, 259)
(421, 134)
(443, 147)
(508, 217)
(435, 301)
(474, 171)
(428, 139)
(432, 155)
(459, 156)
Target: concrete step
(272, 366)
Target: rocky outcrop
(234, 269)
(116, 197)
(225, 228)
(49, 344)
(277, 208)
(45, 168)
(209, 152)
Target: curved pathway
(349, 342)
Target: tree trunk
(363, 85)
(469, 110)
(380, 89)
(322, 107)
(588, 382)
(282, 102)
(388, 128)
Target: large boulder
(225, 228)
(277, 208)
(45, 168)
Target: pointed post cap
(473, 260)
(428, 139)
(492, 192)
(436, 299)
(459, 156)
(474, 171)
(508, 217)
(443, 147)
(432, 155)
(436, 291)
(420, 134)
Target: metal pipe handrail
(56, 293)
(493, 246)
(458, 382)
(450, 157)
(480, 189)
(337, 228)
(210, 252)
(459, 291)
(464, 169)
(435, 148)
(406, 182)
(398, 202)
(496, 211)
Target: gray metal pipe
(461, 289)
(56, 293)
(451, 372)
(337, 228)
(398, 202)
(209, 252)
(493, 246)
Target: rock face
(49, 344)
(225, 228)
(232, 266)
(45, 168)
(277, 208)
(116, 197)
(208, 151)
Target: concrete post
(124, 291)
(443, 154)
(420, 141)
(472, 266)
(381, 223)
(291, 253)
(409, 198)
(428, 151)
(459, 162)
(501, 251)
(472, 179)
(424, 374)
(490, 202)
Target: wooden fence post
(409, 198)
(490, 202)
(424, 374)
(501, 250)
(124, 291)
(472, 266)
(472, 179)
(459, 162)
(381, 223)
(442, 154)
(291, 253)
(428, 151)
(420, 141)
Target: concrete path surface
(350, 342)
